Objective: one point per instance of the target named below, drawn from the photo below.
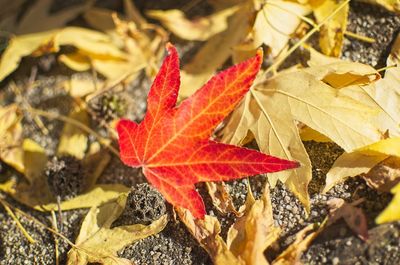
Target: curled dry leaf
(253, 24)
(91, 44)
(384, 96)
(275, 21)
(201, 28)
(253, 232)
(221, 198)
(332, 32)
(35, 192)
(11, 151)
(206, 232)
(353, 216)
(97, 242)
(312, 97)
(361, 161)
(292, 254)
(384, 176)
(392, 211)
(247, 239)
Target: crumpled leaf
(312, 97)
(385, 175)
(221, 198)
(253, 24)
(253, 232)
(172, 144)
(292, 254)
(392, 211)
(332, 32)
(92, 44)
(35, 192)
(97, 242)
(73, 140)
(353, 216)
(206, 231)
(11, 151)
(275, 21)
(201, 28)
(247, 238)
(361, 161)
(350, 165)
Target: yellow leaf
(76, 61)
(93, 44)
(221, 198)
(271, 108)
(73, 140)
(332, 32)
(392, 211)
(11, 151)
(19, 47)
(275, 21)
(389, 147)
(206, 232)
(253, 232)
(97, 195)
(201, 28)
(216, 50)
(97, 242)
(36, 194)
(77, 86)
(361, 161)
(292, 254)
(308, 134)
(385, 96)
(350, 165)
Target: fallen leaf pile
(234, 89)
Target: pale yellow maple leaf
(271, 109)
(383, 95)
(97, 242)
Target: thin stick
(19, 225)
(359, 37)
(306, 37)
(386, 68)
(57, 253)
(76, 123)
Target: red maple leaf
(172, 144)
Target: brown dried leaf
(353, 216)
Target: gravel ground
(174, 245)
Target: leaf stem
(306, 37)
(359, 37)
(19, 225)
